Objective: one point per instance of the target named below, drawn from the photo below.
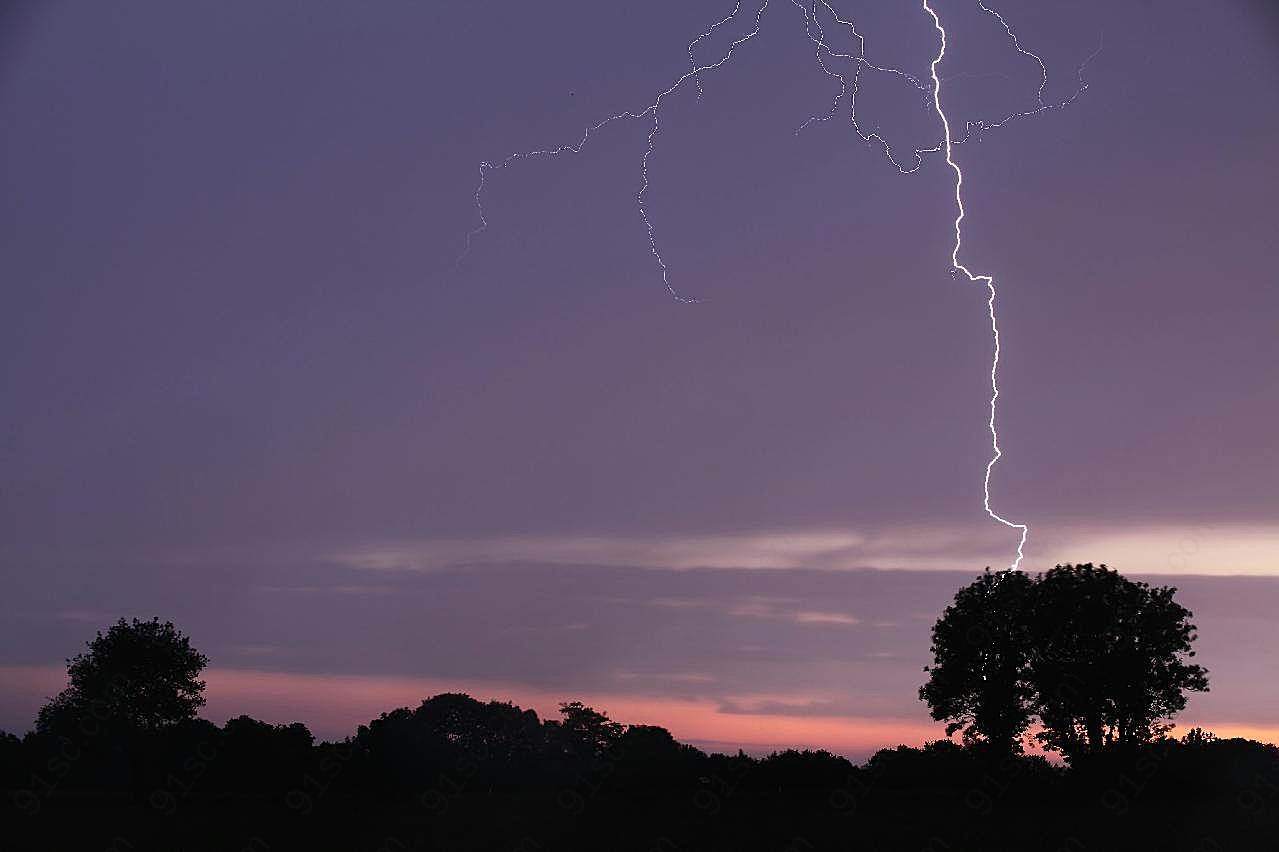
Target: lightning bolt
(652, 110)
(977, 126)
(989, 281)
(823, 51)
(692, 45)
(827, 56)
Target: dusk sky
(249, 386)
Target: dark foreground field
(647, 794)
(933, 820)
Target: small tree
(141, 673)
(588, 732)
(979, 676)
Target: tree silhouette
(141, 674)
(494, 741)
(584, 731)
(979, 679)
(455, 772)
(1100, 659)
(1108, 660)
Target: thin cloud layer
(1203, 549)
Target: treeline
(456, 772)
(452, 743)
(1096, 664)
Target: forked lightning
(849, 77)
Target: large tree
(1102, 660)
(1110, 659)
(144, 674)
(979, 679)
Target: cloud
(813, 617)
(766, 704)
(1215, 549)
(256, 650)
(919, 548)
(1193, 549)
(670, 677)
(784, 608)
(85, 616)
(341, 589)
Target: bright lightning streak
(860, 62)
(849, 89)
(988, 280)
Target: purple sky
(245, 387)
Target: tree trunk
(1094, 733)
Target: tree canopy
(1110, 658)
(979, 679)
(1101, 660)
(143, 674)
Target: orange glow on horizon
(333, 706)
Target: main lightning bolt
(989, 281)
(826, 56)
